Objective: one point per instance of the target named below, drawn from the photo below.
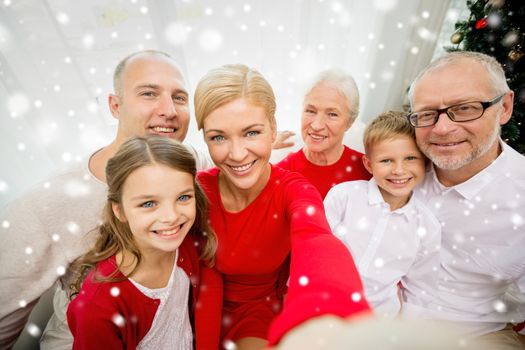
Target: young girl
(144, 273)
(261, 215)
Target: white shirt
(171, 328)
(387, 246)
(482, 273)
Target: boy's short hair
(386, 126)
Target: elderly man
(476, 188)
(54, 220)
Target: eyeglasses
(463, 112)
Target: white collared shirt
(387, 246)
(482, 272)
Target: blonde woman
(262, 214)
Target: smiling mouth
(162, 129)
(169, 232)
(242, 168)
(448, 144)
(400, 181)
(317, 137)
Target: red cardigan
(348, 168)
(99, 320)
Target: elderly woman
(261, 214)
(330, 107)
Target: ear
(114, 105)
(273, 126)
(507, 105)
(368, 164)
(349, 123)
(119, 213)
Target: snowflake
(75, 188)
(356, 297)
(62, 18)
(29, 250)
(61, 270)
(303, 280)
(88, 41)
(210, 40)
(517, 219)
(118, 320)
(421, 231)
(310, 210)
(5, 224)
(499, 306)
(385, 5)
(55, 237)
(18, 104)
(379, 262)
(114, 291)
(176, 33)
(33, 330)
(229, 345)
(73, 227)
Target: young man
(476, 188)
(55, 221)
(393, 237)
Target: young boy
(392, 236)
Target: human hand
(281, 139)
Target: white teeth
(242, 167)
(163, 129)
(167, 232)
(317, 137)
(399, 182)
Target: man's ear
(119, 213)
(367, 164)
(114, 105)
(507, 106)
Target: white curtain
(57, 59)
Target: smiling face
(325, 119)
(239, 137)
(152, 99)
(468, 146)
(158, 203)
(397, 166)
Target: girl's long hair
(114, 235)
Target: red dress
(349, 167)
(253, 250)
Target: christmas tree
(497, 28)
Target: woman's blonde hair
(228, 83)
(386, 126)
(114, 235)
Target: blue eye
(412, 158)
(148, 204)
(252, 133)
(217, 138)
(333, 115)
(184, 198)
(385, 161)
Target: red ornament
(482, 23)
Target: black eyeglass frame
(485, 105)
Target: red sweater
(254, 244)
(91, 315)
(349, 167)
